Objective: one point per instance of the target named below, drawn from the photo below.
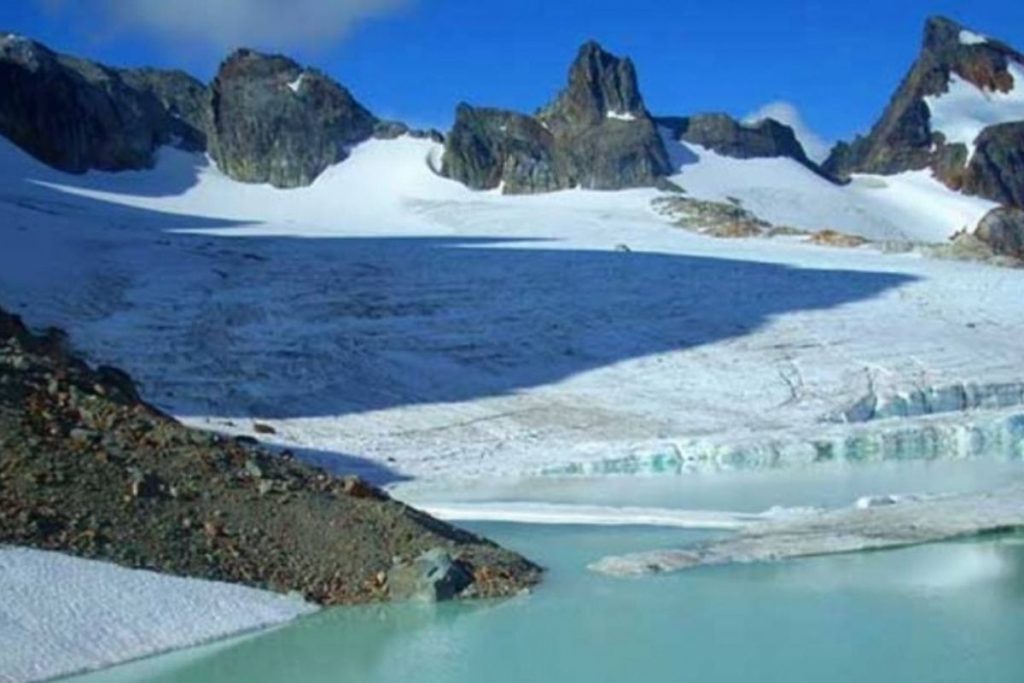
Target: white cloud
(814, 145)
(225, 24)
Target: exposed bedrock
(596, 134)
(725, 135)
(1002, 231)
(905, 139)
(77, 115)
(278, 123)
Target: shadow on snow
(279, 327)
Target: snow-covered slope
(911, 206)
(61, 615)
(389, 320)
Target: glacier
(394, 323)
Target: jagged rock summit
(263, 119)
(601, 86)
(275, 122)
(958, 111)
(597, 134)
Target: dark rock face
(76, 115)
(488, 147)
(264, 119)
(277, 123)
(602, 129)
(725, 135)
(903, 140)
(1002, 230)
(996, 170)
(186, 100)
(597, 134)
(616, 154)
(599, 84)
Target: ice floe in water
(901, 522)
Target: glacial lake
(949, 613)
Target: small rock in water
(432, 577)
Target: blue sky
(837, 61)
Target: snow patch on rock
(972, 38)
(965, 110)
(296, 85)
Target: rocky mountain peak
(245, 62)
(596, 134)
(601, 85)
(949, 47)
(78, 115)
(276, 122)
(24, 51)
(941, 33)
(914, 131)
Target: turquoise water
(942, 613)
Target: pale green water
(943, 613)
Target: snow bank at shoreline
(61, 615)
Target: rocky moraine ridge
(89, 469)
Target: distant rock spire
(596, 134)
(600, 84)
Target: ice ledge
(907, 522)
(953, 398)
(995, 434)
